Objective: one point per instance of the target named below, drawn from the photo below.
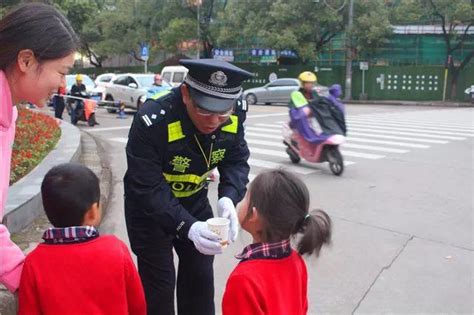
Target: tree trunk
(207, 49)
(454, 83)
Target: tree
(302, 25)
(179, 30)
(456, 18)
(371, 26)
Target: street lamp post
(198, 6)
(348, 90)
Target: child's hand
(226, 209)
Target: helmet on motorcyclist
(307, 76)
(78, 77)
(307, 80)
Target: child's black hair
(68, 191)
(282, 202)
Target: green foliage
(178, 31)
(371, 26)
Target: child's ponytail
(316, 231)
(282, 201)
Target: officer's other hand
(205, 241)
(226, 209)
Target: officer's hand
(205, 241)
(226, 209)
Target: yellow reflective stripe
(160, 94)
(184, 194)
(233, 126)
(187, 178)
(298, 99)
(175, 132)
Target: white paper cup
(220, 226)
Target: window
(131, 80)
(106, 78)
(145, 80)
(123, 80)
(283, 82)
(166, 76)
(178, 77)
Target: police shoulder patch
(242, 105)
(152, 112)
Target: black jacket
(166, 180)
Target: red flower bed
(36, 135)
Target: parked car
(101, 82)
(128, 89)
(174, 75)
(278, 91)
(104, 79)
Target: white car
(174, 75)
(105, 79)
(101, 82)
(130, 89)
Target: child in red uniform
(76, 271)
(271, 277)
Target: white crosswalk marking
(398, 144)
(373, 148)
(272, 165)
(260, 135)
(409, 129)
(362, 155)
(406, 124)
(275, 144)
(281, 154)
(371, 137)
(396, 119)
(424, 135)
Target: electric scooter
(305, 139)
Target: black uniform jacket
(166, 180)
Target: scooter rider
(307, 80)
(176, 140)
(78, 88)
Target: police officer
(176, 140)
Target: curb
(93, 154)
(410, 103)
(24, 199)
(90, 153)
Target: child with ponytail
(271, 277)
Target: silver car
(278, 91)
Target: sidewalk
(27, 239)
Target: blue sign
(144, 52)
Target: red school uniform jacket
(93, 277)
(267, 286)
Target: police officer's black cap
(214, 85)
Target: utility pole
(348, 91)
(198, 3)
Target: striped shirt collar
(275, 250)
(68, 235)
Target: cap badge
(218, 78)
